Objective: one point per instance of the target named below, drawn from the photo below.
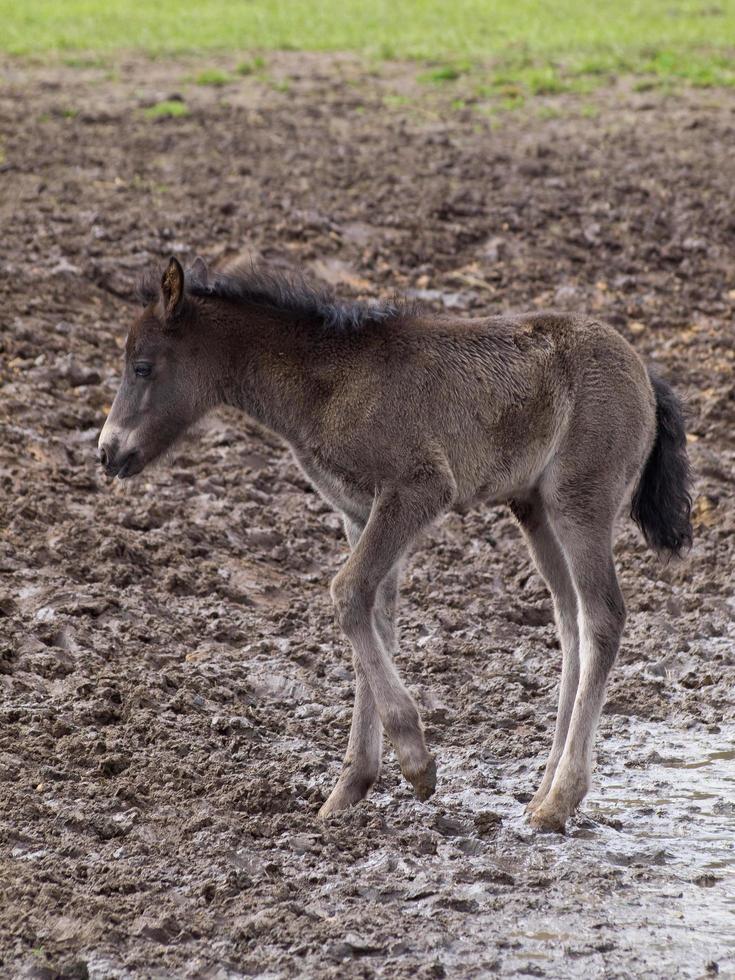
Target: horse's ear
(199, 271)
(172, 287)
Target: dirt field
(175, 693)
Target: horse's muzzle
(119, 465)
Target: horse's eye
(143, 370)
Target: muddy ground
(175, 693)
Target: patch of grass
(250, 67)
(498, 107)
(528, 80)
(512, 103)
(443, 73)
(594, 66)
(84, 61)
(703, 73)
(506, 88)
(395, 100)
(545, 81)
(401, 28)
(645, 85)
(548, 112)
(170, 109)
(213, 76)
(541, 45)
(281, 84)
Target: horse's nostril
(102, 455)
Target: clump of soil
(175, 694)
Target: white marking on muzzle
(112, 434)
(107, 435)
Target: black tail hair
(662, 502)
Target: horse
(398, 415)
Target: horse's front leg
(364, 750)
(398, 514)
(365, 746)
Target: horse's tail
(662, 502)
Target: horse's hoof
(350, 789)
(423, 781)
(547, 818)
(331, 806)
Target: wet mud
(175, 695)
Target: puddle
(663, 883)
(685, 802)
(712, 758)
(681, 807)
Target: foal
(397, 416)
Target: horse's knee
(352, 604)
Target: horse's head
(161, 393)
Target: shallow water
(659, 827)
(682, 810)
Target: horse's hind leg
(586, 540)
(365, 745)
(552, 566)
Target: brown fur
(397, 416)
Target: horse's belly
(339, 492)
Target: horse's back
(537, 390)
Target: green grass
(444, 73)
(692, 40)
(250, 67)
(213, 76)
(280, 84)
(167, 110)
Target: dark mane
(248, 284)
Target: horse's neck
(270, 368)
